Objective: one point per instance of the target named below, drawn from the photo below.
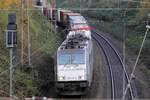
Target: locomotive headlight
(60, 78)
(71, 67)
(82, 77)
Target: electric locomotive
(74, 64)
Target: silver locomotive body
(74, 67)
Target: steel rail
(110, 70)
(120, 59)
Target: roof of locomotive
(76, 45)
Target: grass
(44, 43)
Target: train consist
(74, 57)
(66, 18)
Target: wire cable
(132, 74)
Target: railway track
(116, 68)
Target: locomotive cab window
(77, 59)
(64, 59)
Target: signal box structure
(11, 32)
(38, 2)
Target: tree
(144, 10)
(5, 4)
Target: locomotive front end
(71, 72)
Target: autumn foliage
(9, 3)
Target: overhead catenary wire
(85, 9)
(132, 74)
